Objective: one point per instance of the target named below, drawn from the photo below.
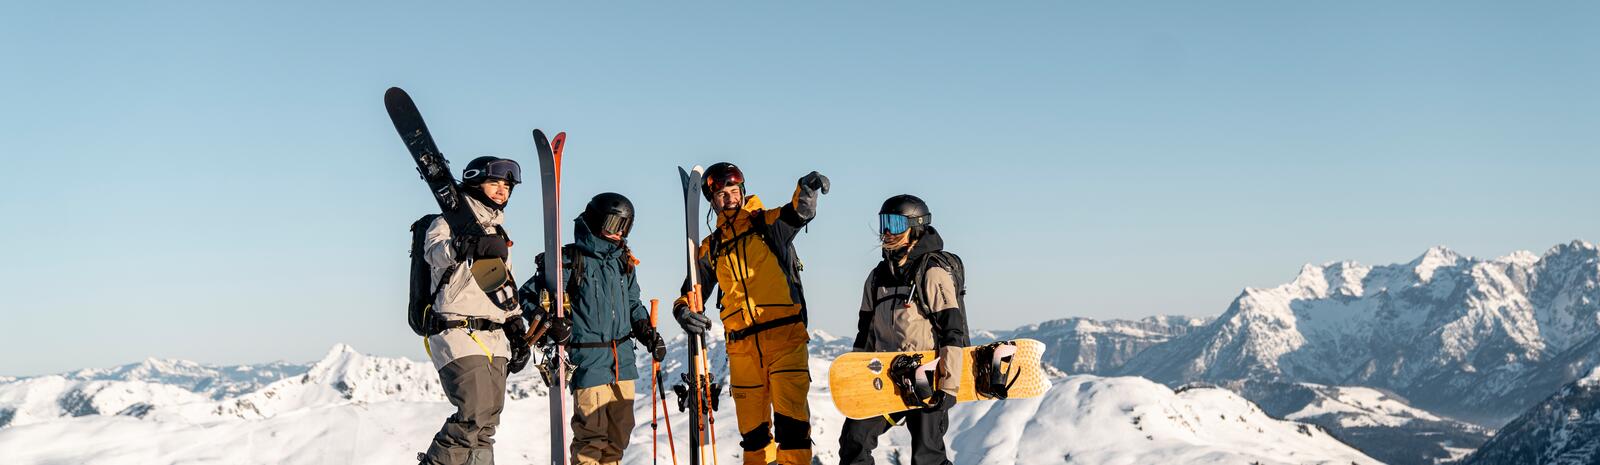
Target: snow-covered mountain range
(1083, 345)
(1412, 363)
(1475, 339)
(355, 408)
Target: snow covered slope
(1453, 334)
(1379, 423)
(351, 408)
(1562, 430)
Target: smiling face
(728, 198)
(498, 190)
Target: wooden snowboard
(862, 387)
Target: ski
(550, 178)
(691, 394)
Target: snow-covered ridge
(1083, 345)
(1449, 332)
(132, 389)
(354, 408)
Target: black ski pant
(477, 387)
(859, 437)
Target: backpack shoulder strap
(951, 264)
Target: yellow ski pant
(770, 377)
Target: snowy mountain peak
(1435, 258)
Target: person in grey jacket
(911, 302)
(478, 335)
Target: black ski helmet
(609, 213)
(903, 212)
(490, 167)
(720, 175)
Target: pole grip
(653, 304)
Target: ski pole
(711, 419)
(655, 439)
(657, 390)
(700, 382)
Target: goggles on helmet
(508, 170)
(616, 224)
(891, 223)
(728, 176)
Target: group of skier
(481, 333)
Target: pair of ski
(435, 171)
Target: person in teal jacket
(600, 331)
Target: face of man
(498, 190)
(727, 198)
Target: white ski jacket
(461, 297)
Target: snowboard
(555, 366)
(873, 384)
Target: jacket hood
(592, 244)
(930, 242)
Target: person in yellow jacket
(750, 257)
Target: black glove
(815, 181)
(651, 339)
(490, 247)
(692, 322)
(940, 402)
(520, 354)
(560, 330)
(516, 330)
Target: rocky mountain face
(1083, 345)
(1564, 429)
(1474, 339)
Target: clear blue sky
(220, 183)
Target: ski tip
(698, 169)
(558, 143)
(394, 93)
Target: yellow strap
(480, 345)
(426, 348)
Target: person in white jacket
(478, 334)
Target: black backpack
(419, 309)
(951, 264)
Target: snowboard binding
(913, 379)
(992, 369)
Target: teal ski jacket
(604, 304)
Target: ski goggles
(616, 224)
(729, 176)
(508, 170)
(889, 223)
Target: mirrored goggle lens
(617, 225)
(499, 169)
(893, 224)
(728, 177)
